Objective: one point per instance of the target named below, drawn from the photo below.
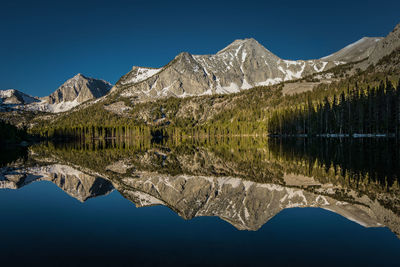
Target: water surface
(231, 202)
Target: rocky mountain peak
(79, 76)
(80, 89)
(183, 55)
(248, 45)
(186, 62)
(15, 97)
(239, 42)
(75, 80)
(185, 58)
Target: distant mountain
(72, 93)
(241, 65)
(15, 97)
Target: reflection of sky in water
(41, 223)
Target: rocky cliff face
(241, 65)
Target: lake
(210, 202)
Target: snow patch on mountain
(53, 108)
(143, 74)
(6, 93)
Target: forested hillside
(371, 110)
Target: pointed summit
(73, 92)
(79, 88)
(79, 75)
(239, 43)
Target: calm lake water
(219, 202)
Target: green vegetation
(235, 114)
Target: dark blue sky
(43, 43)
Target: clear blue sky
(43, 43)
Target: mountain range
(241, 65)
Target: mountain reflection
(77, 184)
(243, 181)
